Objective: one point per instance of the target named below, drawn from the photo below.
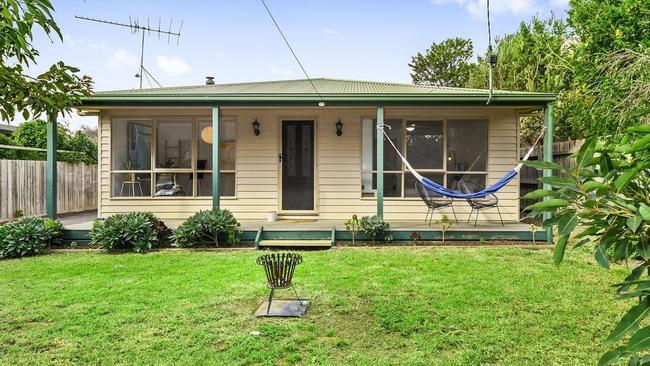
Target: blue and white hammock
(444, 191)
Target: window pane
(204, 144)
(392, 161)
(173, 184)
(174, 144)
(409, 182)
(226, 184)
(424, 144)
(392, 184)
(467, 145)
(131, 144)
(131, 184)
(452, 180)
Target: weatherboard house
(306, 150)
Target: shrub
(353, 225)
(207, 228)
(136, 231)
(28, 236)
(375, 228)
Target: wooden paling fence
(22, 188)
(529, 177)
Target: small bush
(136, 231)
(28, 236)
(375, 228)
(207, 228)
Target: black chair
(478, 204)
(433, 202)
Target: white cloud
(173, 66)
(331, 32)
(478, 8)
(121, 60)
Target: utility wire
(489, 55)
(291, 49)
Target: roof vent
(209, 80)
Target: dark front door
(297, 165)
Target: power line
(291, 49)
(491, 58)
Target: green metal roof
(332, 91)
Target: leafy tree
(34, 134)
(536, 58)
(612, 37)
(7, 153)
(605, 198)
(56, 90)
(444, 64)
(606, 195)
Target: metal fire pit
(279, 268)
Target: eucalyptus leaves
(604, 203)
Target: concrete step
(295, 243)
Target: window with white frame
(444, 151)
(170, 157)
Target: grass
(444, 306)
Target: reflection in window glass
(131, 144)
(424, 144)
(466, 145)
(174, 144)
(392, 161)
(131, 184)
(204, 144)
(392, 184)
(173, 184)
(226, 184)
(409, 182)
(453, 179)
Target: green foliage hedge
(136, 231)
(28, 236)
(207, 228)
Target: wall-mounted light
(451, 156)
(411, 127)
(256, 127)
(339, 128)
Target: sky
(236, 41)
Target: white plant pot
(272, 216)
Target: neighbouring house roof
(301, 91)
(7, 129)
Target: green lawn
(445, 306)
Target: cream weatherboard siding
(338, 163)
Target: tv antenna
(135, 27)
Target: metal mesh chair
(279, 268)
(478, 204)
(433, 202)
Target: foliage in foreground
(375, 228)
(605, 197)
(55, 90)
(34, 134)
(28, 236)
(206, 228)
(136, 231)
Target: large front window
(444, 151)
(170, 157)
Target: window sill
(203, 198)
